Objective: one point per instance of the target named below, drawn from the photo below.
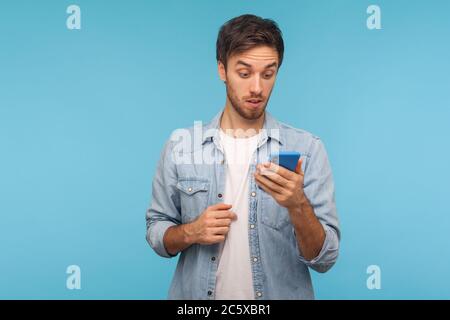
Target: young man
(246, 228)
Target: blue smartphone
(286, 159)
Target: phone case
(286, 159)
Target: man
(246, 228)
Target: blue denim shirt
(185, 184)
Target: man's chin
(251, 114)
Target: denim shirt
(185, 184)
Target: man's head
(249, 52)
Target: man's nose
(256, 86)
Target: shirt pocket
(272, 214)
(193, 197)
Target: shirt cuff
(155, 237)
(327, 255)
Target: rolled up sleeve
(328, 254)
(319, 189)
(164, 210)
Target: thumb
(298, 168)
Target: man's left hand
(285, 186)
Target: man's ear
(222, 71)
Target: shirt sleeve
(319, 189)
(164, 210)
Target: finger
(220, 230)
(224, 215)
(268, 183)
(220, 206)
(275, 177)
(221, 223)
(267, 190)
(217, 239)
(285, 173)
(298, 168)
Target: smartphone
(286, 159)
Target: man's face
(250, 77)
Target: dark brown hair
(246, 32)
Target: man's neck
(233, 122)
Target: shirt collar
(271, 129)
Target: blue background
(84, 115)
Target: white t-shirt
(234, 275)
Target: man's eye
(268, 75)
(243, 75)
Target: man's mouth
(254, 102)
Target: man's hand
(211, 226)
(285, 186)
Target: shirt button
(219, 195)
(252, 226)
(190, 189)
(209, 292)
(213, 259)
(255, 259)
(253, 194)
(259, 294)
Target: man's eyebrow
(273, 64)
(244, 63)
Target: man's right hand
(211, 226)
